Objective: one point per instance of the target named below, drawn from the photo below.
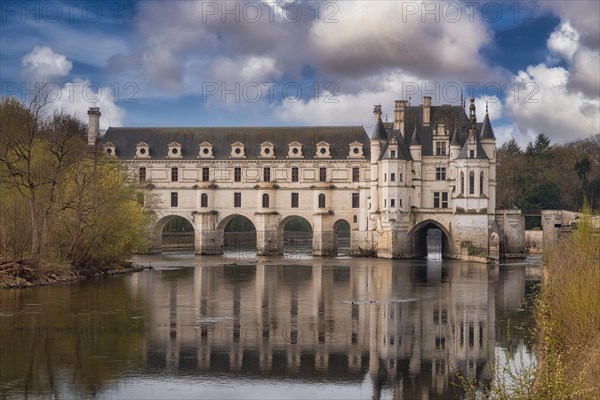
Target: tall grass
(567, 316)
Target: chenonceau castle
(433, 167)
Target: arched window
(203, 200)
(265, 200)
(472, 182)
(481, 184)
(462, 183)
(321, 200)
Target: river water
(236, 326)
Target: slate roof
(379, 132)
(451, 116)
(486, 131)
(221, 138)
(403, 152)
(464, 152)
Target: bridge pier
(324, 243)
(207, 239)
(267, 243)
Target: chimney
(93, 125)
(426, 110)
(377, 112)
(399, 111)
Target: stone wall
(511, 228)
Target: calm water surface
(235, 326)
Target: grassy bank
(22, 273)
(568, 318)
(566, 361)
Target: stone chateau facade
(433, 167)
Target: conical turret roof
(486, 131)
(415, 141)
(379, 132)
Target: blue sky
(212, 63)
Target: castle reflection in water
(408, 326)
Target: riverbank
(22, 273)
(568, 318)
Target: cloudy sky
(216, 63)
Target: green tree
(82, 207)
(540, 146)
(510, 148)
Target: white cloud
(348, 108)
(494, 105)
(582, 15)
(564, 41)
(243, 70)
(259, 69)
(373, 36)
(76, 97)
(585, 71)
(42, 64)
(174, 53)
(551, 108)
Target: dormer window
(109, 149)
(205, 150)
(356, 150)
(237, 150)
(295, 150)
(267, 150)
(323, 150)
(174, 150)
(440, 130)
(142, 150)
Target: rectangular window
(471, 153)
(436, 200)
(355, 200)
(400, 203)
(237, 174)
(174, 199)
(322, 174)
(444, 199)
(295, 174)
(237, 200)
(440, 173)
(471, 183)
(385, 177)
(267, 174)
(393, 177)
(355, 174)
(295, 200)
(400, 177)
(440, 148)
(205, 174)
(174, 174)
(392, 153)
(384, 203)
(142, 174)
(393, 203)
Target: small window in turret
(440, 148)
(393, 154)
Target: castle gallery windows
(240, 149)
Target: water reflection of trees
(70, 335)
